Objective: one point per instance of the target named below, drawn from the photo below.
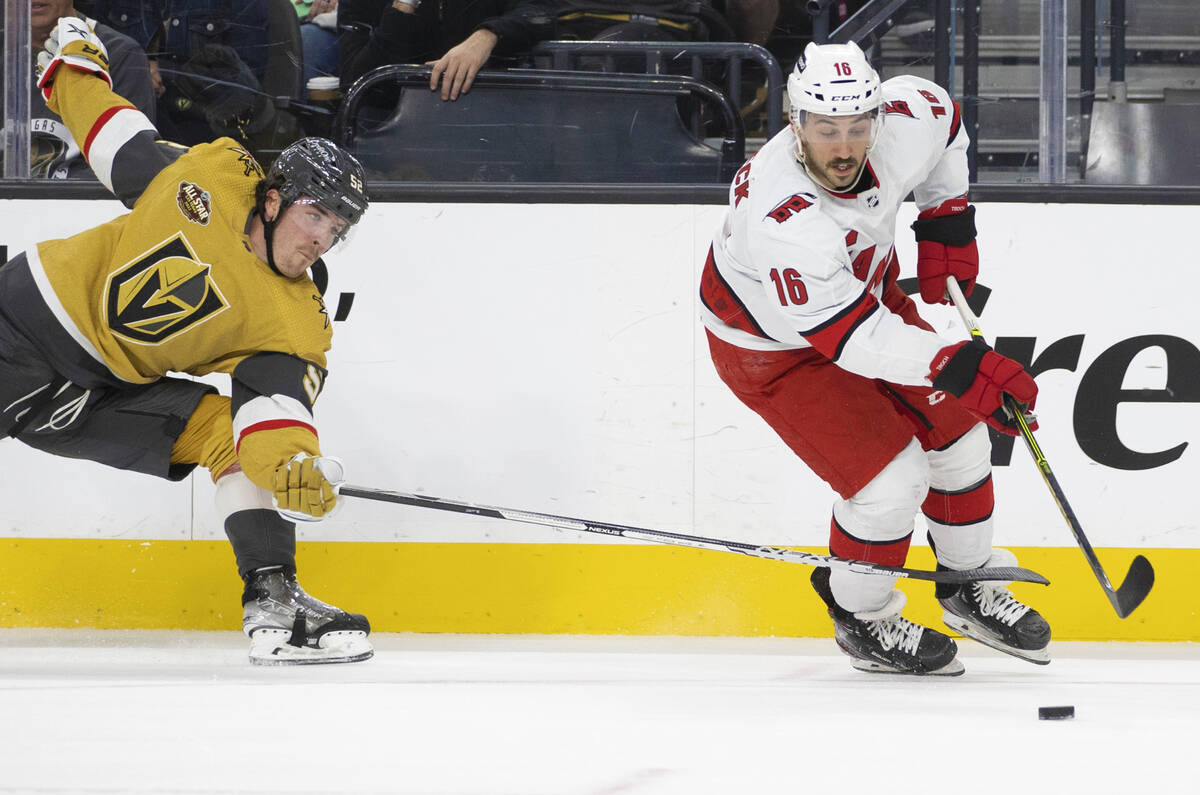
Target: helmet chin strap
(269, 238)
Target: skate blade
(952, 668)
(270, 647)
(972, 631)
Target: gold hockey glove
(306, 488)
(73, 43)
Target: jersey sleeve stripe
(830, 337)
(115, 127)
(720, 299)
(955, 123)
(273, 425)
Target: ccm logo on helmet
(846, 98)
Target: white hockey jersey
(795, 265)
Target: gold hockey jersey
(174, 286)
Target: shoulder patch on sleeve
(790, 206)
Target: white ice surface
(166, 712)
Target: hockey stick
(679, 539)
(1140, 577)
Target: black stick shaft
(1140, 577)
(698, 542)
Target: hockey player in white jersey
(808, 328)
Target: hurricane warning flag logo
(162, 294)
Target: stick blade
(1135, 588)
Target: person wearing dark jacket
(456, 37)
(211, 56)
(54, 152)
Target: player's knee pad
(962, 463)
(883, 510)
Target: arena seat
(541, 126)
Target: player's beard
(824, 173)
(855, 169)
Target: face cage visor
(853, 134)
(321, 223)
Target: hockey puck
(1056, 713)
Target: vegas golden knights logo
(161, 294)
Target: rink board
(548, 358)
(537, 588)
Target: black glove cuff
(959, 373)
(952, 230)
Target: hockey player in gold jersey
(209, 272)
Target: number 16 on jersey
(789, 286)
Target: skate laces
(892, 630)
(998, 602)
(896, 632)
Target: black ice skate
(286, 626)
(883, 641)
(988, 613)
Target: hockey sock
(261, 538)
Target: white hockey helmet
(833, 80)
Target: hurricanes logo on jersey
(161, 294)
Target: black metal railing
(658, 58)
(546, 140)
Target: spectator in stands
(318, 29)
(752, 20)
(456, 37)
(211, 56)
(646, 20)
(54, 153)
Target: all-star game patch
(194, 203)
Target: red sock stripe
(968, 506)
(889, 553)
(99, 125)
(722, 301)
(831, 336)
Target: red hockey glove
(946, 247)
(980, 378)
